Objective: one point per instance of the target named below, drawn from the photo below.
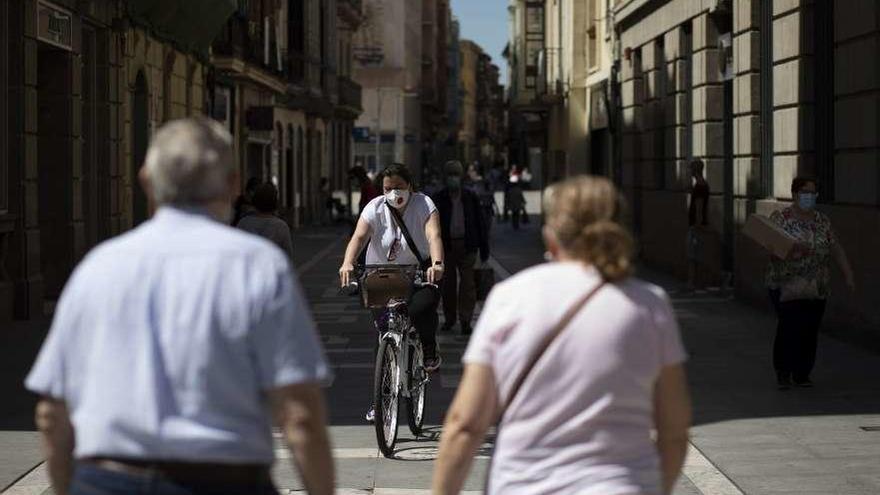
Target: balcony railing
(246, 39)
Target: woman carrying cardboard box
(800, 284)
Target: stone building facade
(761, 91)
(83, 84)
(560, 64)
(284, 89)
(388, 53)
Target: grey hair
(189, 162)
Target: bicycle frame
(400, 332)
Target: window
(766, 33)
(688, 92)
(4, 92)
(535, 18)
(824, 87)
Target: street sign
(360, 134)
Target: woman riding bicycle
(388, 245)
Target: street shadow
(425, 448)
(729, 344)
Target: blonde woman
(579, 418)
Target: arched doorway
(140, 139)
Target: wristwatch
(438, 263)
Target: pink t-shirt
(581, 422)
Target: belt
(187, 472)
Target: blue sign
(360, 133)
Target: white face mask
(397, 198)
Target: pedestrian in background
(174, 345)
(464, 234)
(800, 285)
(365, 184)
(244, 204)
(265, 223)
(698, 220)
(515, 200)
(580, 363)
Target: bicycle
(400, 368)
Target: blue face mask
(807, 201)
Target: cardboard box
(769, 235)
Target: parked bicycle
(399, 370)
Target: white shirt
(385, 233)
(582, 420)
(166, 339)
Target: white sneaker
(371, 415)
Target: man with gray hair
(174, 345)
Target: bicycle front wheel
(418, 383)
(386, 394)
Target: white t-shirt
(581, 421)
(387, 235)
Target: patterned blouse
(814, 266)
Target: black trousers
(423, 313)
(797, 333)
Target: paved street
(749, 438)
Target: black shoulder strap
(406, 235)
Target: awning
(193, 24)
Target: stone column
(793, 95)
(708, 106)
(652, 145)
(857, 104)
(676, 108)
(24, 245)
(746, 104)
(632, 91)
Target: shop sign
(54, 25)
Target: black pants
(797, 333)
(423, 313)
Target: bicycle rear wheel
(418, 382)
(386, 394)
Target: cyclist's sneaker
(433, 363)
(371, 415)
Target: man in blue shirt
(174, 345)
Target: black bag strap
(406, 235)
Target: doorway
(54, 164)
(140, 140)
(599, 158)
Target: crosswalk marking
(706, 476)
(34, 483)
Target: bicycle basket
(380, 285)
